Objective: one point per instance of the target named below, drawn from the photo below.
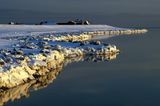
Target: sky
(100, 10)
(83, 6)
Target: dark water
(132, 79)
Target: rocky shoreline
(43, 80)
(35, 56)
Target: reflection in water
(24, 89)
(40, 82)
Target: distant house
(76, 22)
(47, 22)
(15, 23)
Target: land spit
(36, 56)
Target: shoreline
(36, 55)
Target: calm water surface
(132, 79)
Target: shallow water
(133, 78)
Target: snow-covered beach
(27, 51)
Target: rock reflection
(24, 90)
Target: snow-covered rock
(27, 51)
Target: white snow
(13, 30)
(6, 43)
(27, 30)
